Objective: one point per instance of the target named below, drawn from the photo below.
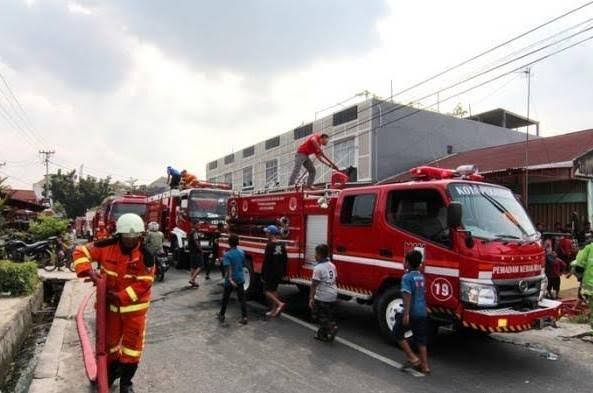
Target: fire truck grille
(514, 295)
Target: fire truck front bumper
(510, 320)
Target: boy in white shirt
(323, 294)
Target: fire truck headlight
(543, 287)
(478, 294)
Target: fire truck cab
(483, 258)
(114, 206)
(203, 207)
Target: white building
(376, 137)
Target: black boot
(113, 372)
(127, 373)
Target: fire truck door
(356, 240)
(316, 234)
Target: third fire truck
(113, 207)
(483, 258)
(177, 211)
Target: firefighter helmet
(129, 224)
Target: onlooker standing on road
(414, 316)
(554, 269)
(233, 262)
(323, 294)
(273, 269)
(196, 257)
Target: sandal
(279, 310)
(408, 365)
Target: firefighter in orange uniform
(129, 271)
(188, 180)
(101, 232)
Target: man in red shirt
(313, 145)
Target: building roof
(22, 195)
(502, 118)
(558, 151)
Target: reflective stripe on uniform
(81, 260)
(86, 252)
(132, 294)
(131, 352)
(126, 309)
(142, 278)
(109, 272)
(114, 349)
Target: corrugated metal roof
(551, 152)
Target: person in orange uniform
(188, 180)
(129, 271)
(101, 232)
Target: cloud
(256, 36)
(83, 50)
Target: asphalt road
(188, 351)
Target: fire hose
(95, 363)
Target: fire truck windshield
(122, 208)
(208, 204)
(491, 212)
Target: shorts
(554, 283)
(271, 285)
(418, 326)
(196, 261)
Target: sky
(129, 87)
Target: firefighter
(129, 271)
(101, 232)
(582, 266)
(188, 180)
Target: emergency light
(467, 172)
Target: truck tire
(253, 285)
(176, 253)
(386, 305)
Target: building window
(248, 177)
(272, 143)
(228, 179)
(303, 131)
(272, 173)
(212, 165)
(345, 116)
(229, 159)
(248, 151)
(358, 209)
(344, 153)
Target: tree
(458, 111)
(46, 226)
(75, 197)
(3, 199)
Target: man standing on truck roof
(583, 269)
(173, 177)
(188, 180)
(313, 145)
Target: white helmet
(129, 224)
(153, 226)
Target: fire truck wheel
(253, 286)
(387, 305)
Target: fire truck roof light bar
(466, 172)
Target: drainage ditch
(20, 373)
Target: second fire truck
(483, 258)
(203, 207)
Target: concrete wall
(424, 136)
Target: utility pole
(46, 156)
(526, 175)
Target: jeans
(228, 289)
(301, 159)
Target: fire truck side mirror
(454, 215)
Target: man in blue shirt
(414, 316)
(173, 177)
(233, 262)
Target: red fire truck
(114, 206)
(204, 206)
(483, 258)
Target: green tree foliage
(46, 226)
(77, 197)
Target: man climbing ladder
(313, 145)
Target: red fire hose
(95, 363)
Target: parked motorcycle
(42, 252)
(162, 265)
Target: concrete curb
(47, 371)
(14, 331)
